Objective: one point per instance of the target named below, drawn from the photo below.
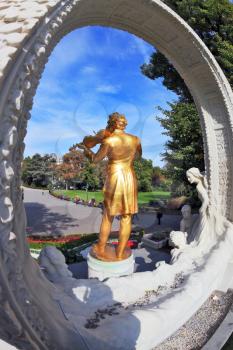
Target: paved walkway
(48, 215)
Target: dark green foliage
(70, 249)
(89, 177)
(159, 67)
(184, 146)
(229, 343)
(144, 170)
(37, 171)
(160, 180)
(212, 20)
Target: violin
(91, 141)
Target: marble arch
(29, 30)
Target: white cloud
(108, 89)
(73, 49)
(52, 130)
(142, 47)
(89, 69)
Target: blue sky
(91, 73)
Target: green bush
(67, 248)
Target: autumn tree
(159, 179)
(71, 166)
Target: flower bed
(32, 240)
(71, 246)
(76, 200)
(65, 244)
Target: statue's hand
(88, 153)
(81, 146)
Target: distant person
(159, 217)
(77, 199)
(91, 202)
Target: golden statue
(120, 188)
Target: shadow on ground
(90, 306)
(42, 221)
(145, 260)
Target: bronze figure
(120, 188)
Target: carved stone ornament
(33, 315)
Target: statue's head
(186, 211)
(116, 121)
(195, 176)
(178, 239)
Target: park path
(47, 215)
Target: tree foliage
(184, 147)
(77, 169)
(71, 166)
(37, 170)
(144, 170)
(159, 179)
(89, 176)
(212, 20)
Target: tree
(89, 177)
(101, 172)
(144, 170)
(212, 20)
(184, 147)
(71, 166)
(37, 170)
(159, 179)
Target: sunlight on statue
(120, 189)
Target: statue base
(105, 269)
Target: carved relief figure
(202, 230)
(120, 189)
(187, 220)
(53, 263)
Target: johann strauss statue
(120, 188)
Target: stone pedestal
(105, 269)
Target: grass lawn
(143, 197)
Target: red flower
(53, 240)
(130, 244)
